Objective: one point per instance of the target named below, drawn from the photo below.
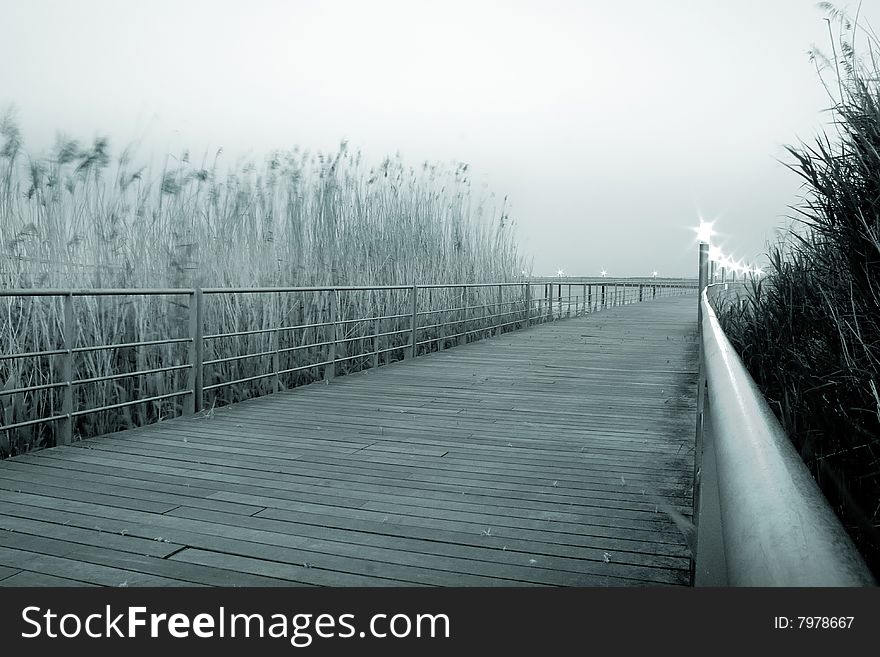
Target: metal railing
(761, 518)
(422, 318)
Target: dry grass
(77, 218)
(809, 332)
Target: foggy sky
(611, 126)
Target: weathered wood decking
(547, 456)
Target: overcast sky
(611, 125)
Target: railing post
(375, 342)
(589, 298)
(68, 341)
(276, 359)
(527, 297)
(330, 367)
(459, 332)
(414, 321)
(602, 305)
(703, 280)
(542, 300)
(498, 318)
(196, 354)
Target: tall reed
(80, 218)
(809, 332)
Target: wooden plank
(465, 433)
(7, 572)
(73, 536)
(355, 494)
(469, 570)
(73, 569)
(139, 566)
(388, 466)
(553, 493)
(333, 475)
(93, 488)
(627, 444)
(294, 572)
(30, 578)
(212, 526)
(346, 558)
(39, 488)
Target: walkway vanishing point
(555, 455)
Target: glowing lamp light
(604, 273)
(654, 274)
(715, 254)
(704, 231)
(560, 273)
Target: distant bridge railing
(761, 518)
(146, 354)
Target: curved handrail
(778, 528)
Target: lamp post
(704, 237)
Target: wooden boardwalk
(550, 456)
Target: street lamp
(704, 231)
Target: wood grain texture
(549, 456)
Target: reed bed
(79, 218)
(809, 332)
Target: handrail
(403, 332)
(777, 527)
